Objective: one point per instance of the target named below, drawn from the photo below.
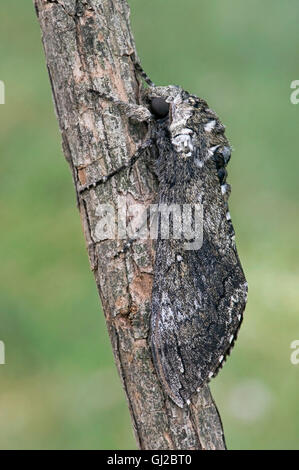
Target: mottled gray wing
(198, 295)
(197, 307)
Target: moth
(199, 294)
(199, 289)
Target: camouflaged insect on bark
(199, 294)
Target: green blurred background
(59, 388)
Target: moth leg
(127, 245)
(133, 111)
(149, 222)
(141, 149)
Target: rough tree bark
(89, 46)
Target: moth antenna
(143, 74)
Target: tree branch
(89, 46)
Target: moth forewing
(199, 290)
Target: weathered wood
(89, 46)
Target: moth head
(160, 100)
(159, 107)
(176, 105)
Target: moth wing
(198, 295)
(197, 305)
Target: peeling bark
(89, 46)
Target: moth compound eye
(159, 107)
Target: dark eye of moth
(159, 107)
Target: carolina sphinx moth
(198, 294)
